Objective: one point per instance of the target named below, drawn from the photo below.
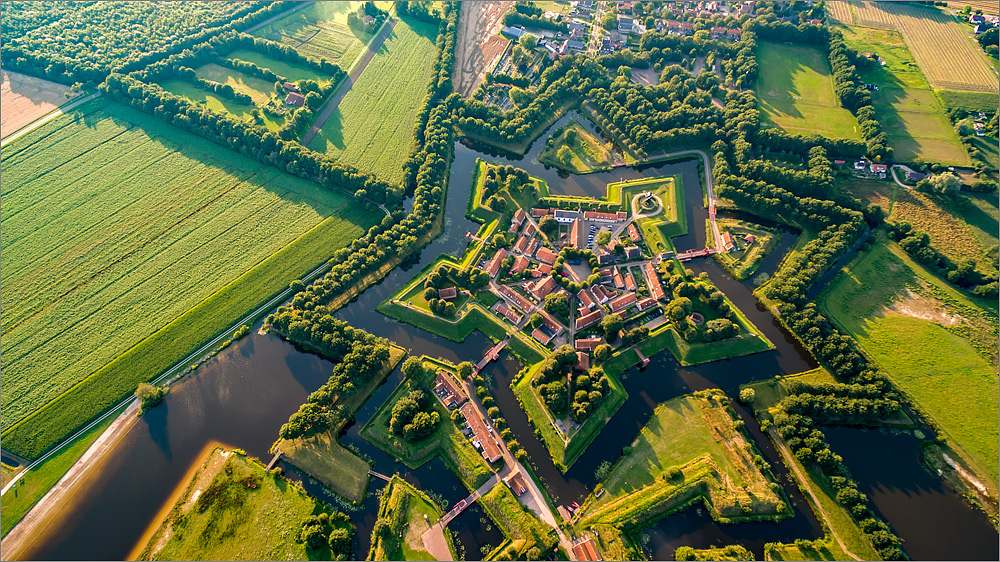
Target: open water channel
(241, 398)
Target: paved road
(345, 86)
(48, 117)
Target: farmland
(795, 90)
(108, 249)
(319, 31)
(373, 125)
(909, 111)
(25, 98)
(946, 54)
(921, 332)
(962, 226)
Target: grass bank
(409, 513)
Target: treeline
(359, 356)
(423, 11)
(251, 140)
(964, 274)
(49, 63)
(857, 404)
(397, 236)
(809, 445)
(527, 14)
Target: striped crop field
(841, 12)
(871, 14)
(945, 53)
(114, 224)
(319, 31)
(372, 128)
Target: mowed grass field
(795, 92)
(946, 54)
(372, 128)
(910, 112)
(219, 103)
(320, 31)
(114, 224)
(895, 309)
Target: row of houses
(483, 437)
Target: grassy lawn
(961, 226)
(258, 89)
(39, 480)
(519, 525)
(698, 435)
(322, 455)
(446, 441)
(158, 245)
(743, 262)
(221, 104)
(990, 149)
(244, 513)
(404, 507)
(587, 152)
(372, 128)
(898, 311)
(7, 473)
(795, 92)
(831, 514)
(319, 31)
(907, 107)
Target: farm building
(448, 293)
(295, 99)
(727, 242)
(290, 86)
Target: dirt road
(338, 96)
(478, 47)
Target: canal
(242, 396)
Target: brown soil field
(25, 98)
(478, 47)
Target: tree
(465, 369)
(564, 154)
(602, 352)
(548, 225)
(529, 42)
(558, 304)
(423, 424)
(413, 368)
(611, 325)
(603, 237)
(313, 536)
(536, 320)
(571, 137)
(747, 395)
(340, 543)
(149, 396)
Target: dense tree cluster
(858, 404)
(413, 416)
(85, 41)
(809, 445)
(359, 355)
(497, 179)
(581, 395)
(527, 14)
(571, 255)
(333, 530)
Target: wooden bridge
(274, 461)
(492, 355)
(691, 254)
(379, 475)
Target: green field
(221, 104)
(258, 89)
(287, 70)
(908, 109)
(587, 152)
(898, 312)
(319, 31)
(372, 128)
(795, 92)
(243, 513)
(160, 224)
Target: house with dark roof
(632, 252)
(295, 99)
(447, 293)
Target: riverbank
(24, 534)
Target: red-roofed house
(646, 303)
(290, 86)
(507, 312)
(585, 299)
(494, 265)
(536, 213)
(653, 282)
(520, 264)
(529, 230)
(622, 302)
(546, 255)
(619, 280)
(483, 439)
(734, 33)
(295, 99)
(448, 293)
(576, 234)
(521, 244)
(519, 301)
(542, 336)
(449, 391)
(515, 222)
(727, 242)
(589, 344)
(582, 361)
(633, 232)
(541, 269)
(629, 281)
(879, 168)
(543, 287)
(584, 321)
(516, 483)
